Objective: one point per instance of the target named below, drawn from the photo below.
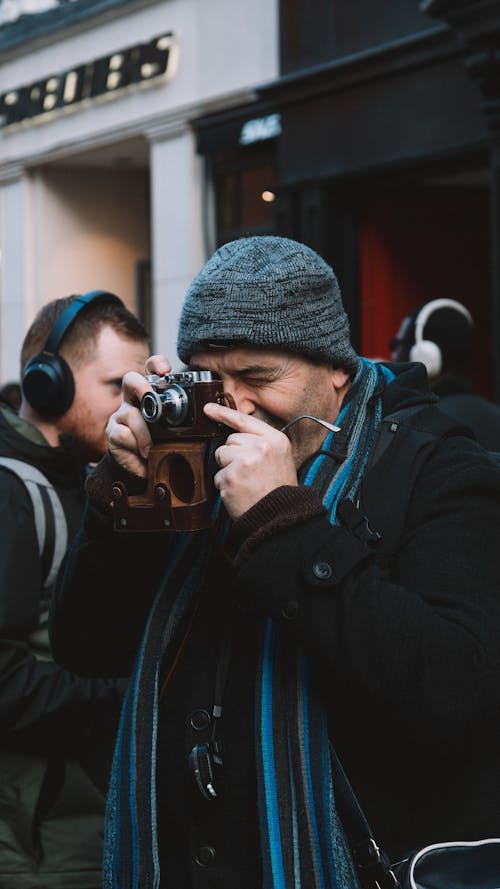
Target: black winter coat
(405, 646)
(53, 760)
(458, 399)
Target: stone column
(15, 264)
(177, 228)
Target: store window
(245, 194)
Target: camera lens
(175, 404)
(172, 406)
(151, 407)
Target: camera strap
(180, 650)
(206, 759)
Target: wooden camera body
(179, 491)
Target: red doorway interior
(418, 246)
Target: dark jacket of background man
(444, 343)
(56, 729)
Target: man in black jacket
(55, 728)
(440, 334)
(311, 611)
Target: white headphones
(426, 351)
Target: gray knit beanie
(270, 292)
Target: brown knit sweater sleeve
(285, 506)
(100, 482)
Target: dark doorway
(420, 245)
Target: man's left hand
(254, 460)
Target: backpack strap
(405, 440)
(50, 521)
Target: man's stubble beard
(91, 444)
(306, 437)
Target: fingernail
(145, 451)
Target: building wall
(224, 46)
(77, 214)
(316, 32)
(87, 236)
(388, 158)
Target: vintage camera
(179, 490)
(174, 408)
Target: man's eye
(256, 382)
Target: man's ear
(340, 379)
(341, 383)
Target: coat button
(205, 856)
(199, 720)
(290, 610)
(322, 570)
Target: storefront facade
(387, 157)
(101, 185)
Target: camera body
(174, 407)
(181, 467)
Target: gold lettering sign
(136, 66)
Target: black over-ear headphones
(47, 381)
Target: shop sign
(104, 78)
(260, 128)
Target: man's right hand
(129, 438)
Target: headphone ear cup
(48, 384)
(429, 354)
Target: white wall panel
(177, 233)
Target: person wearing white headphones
(440, 335)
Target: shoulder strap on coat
(50, 521)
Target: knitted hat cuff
(268, 292)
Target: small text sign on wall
(260, 128)
(104, 78)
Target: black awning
(241, 127)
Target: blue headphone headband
(69, 315)
(47, 380)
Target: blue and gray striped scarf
(302, 842)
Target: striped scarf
(302, 842)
